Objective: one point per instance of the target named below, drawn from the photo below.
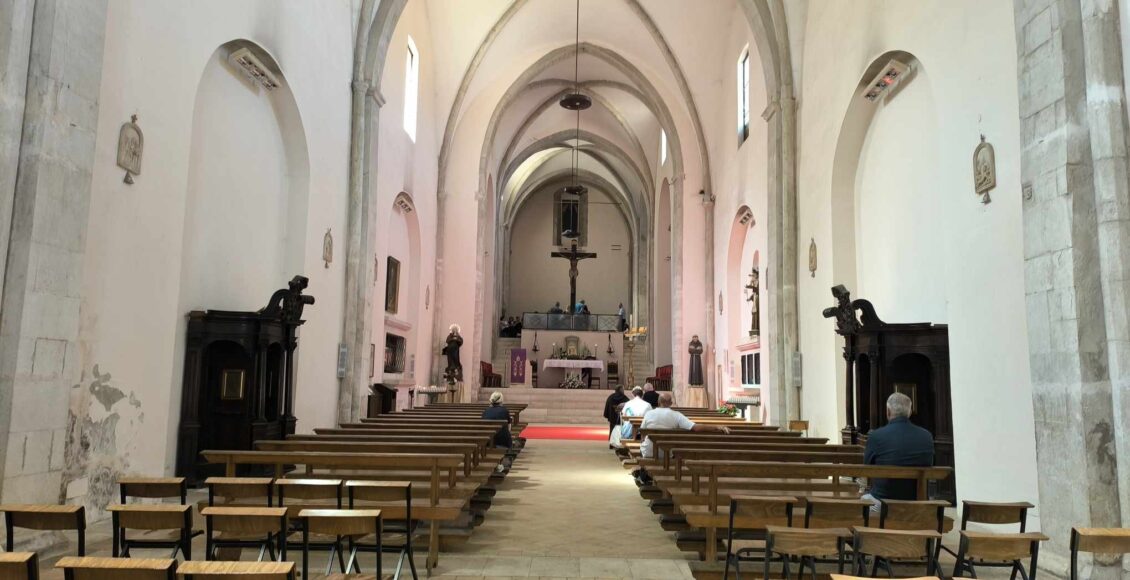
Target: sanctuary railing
(581, 322)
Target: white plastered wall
(968, 54)
(404, 165)
(155, 55)
(538, 280)
(740, 179)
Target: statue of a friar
(695, 350)
(454, 370)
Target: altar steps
(557, 406)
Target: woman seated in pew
(502, 439)
(666, 418)
(901, 443)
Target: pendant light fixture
(576, 101)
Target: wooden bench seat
(237, 570)
(117, 568)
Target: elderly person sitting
(667, 418)
(899, 442)
(637, 406)
(498, 412)
(650, 394)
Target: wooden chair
(245, 527)
(237, 571)
(308, 494)
(806, 545)
(1000, 550)
(239, 489)
(995, 514)
(351, 524)
(1097, 540)
(886, 546)
(152, 518)
(117, 568)
(394, 499)
(19, 566)
(750, 515)
(45, 517)
(798, 425)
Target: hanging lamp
(576, 101)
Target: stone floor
(567, 509)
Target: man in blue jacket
(899, 442)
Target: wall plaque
(130, 145)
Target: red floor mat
(566, 433)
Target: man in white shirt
(635, 407)
(667, 418)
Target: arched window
(411, 89)
(743, 96)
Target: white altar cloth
(573, 364)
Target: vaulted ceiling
(647, 64)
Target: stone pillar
(1073, 166)
(39, 316)
(15, 49)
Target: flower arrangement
(727, 409)
(573, 382)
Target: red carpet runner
(579, 433)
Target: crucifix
(573, 256)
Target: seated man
(637, 406)
(650, 394)
(498, 412)
(667, 418)
(899, 442)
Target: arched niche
(741, 257)
(398, 297)
(248, 188)
(245, 205)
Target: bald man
(667, 418)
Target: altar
(598, 354)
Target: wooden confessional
(238, 378)
(883, 358)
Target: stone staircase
(557, 406)
(641, 364)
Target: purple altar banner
(517, 366)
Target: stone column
(1073, 165)
(709, 359)
(15, 50)
(39, 316)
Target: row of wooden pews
(756, 471)
(445, 450)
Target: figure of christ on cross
(573, 256)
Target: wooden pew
(434, 465)
(708, 478)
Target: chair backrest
(486, 368)
(802, 542)
(117, 568)
(1101, 540)
(891, 544)
(245, 520)
(152, 517)
(1006, 547)
(153, 488)
(758, 512)
(19, 565)
(393, 497)
(664, 372)
(341, 522)
(232, 489)
(798, 425)
(912, 515)
(46, 517)
(837, 513)
(319, 490)
(995, 513)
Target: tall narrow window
(743, 96)
(411, 89)
(662, 146)
(392, 286)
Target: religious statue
(328, 248)
(695, 349)
(754, 288)
(454, 370)
(288, 303)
